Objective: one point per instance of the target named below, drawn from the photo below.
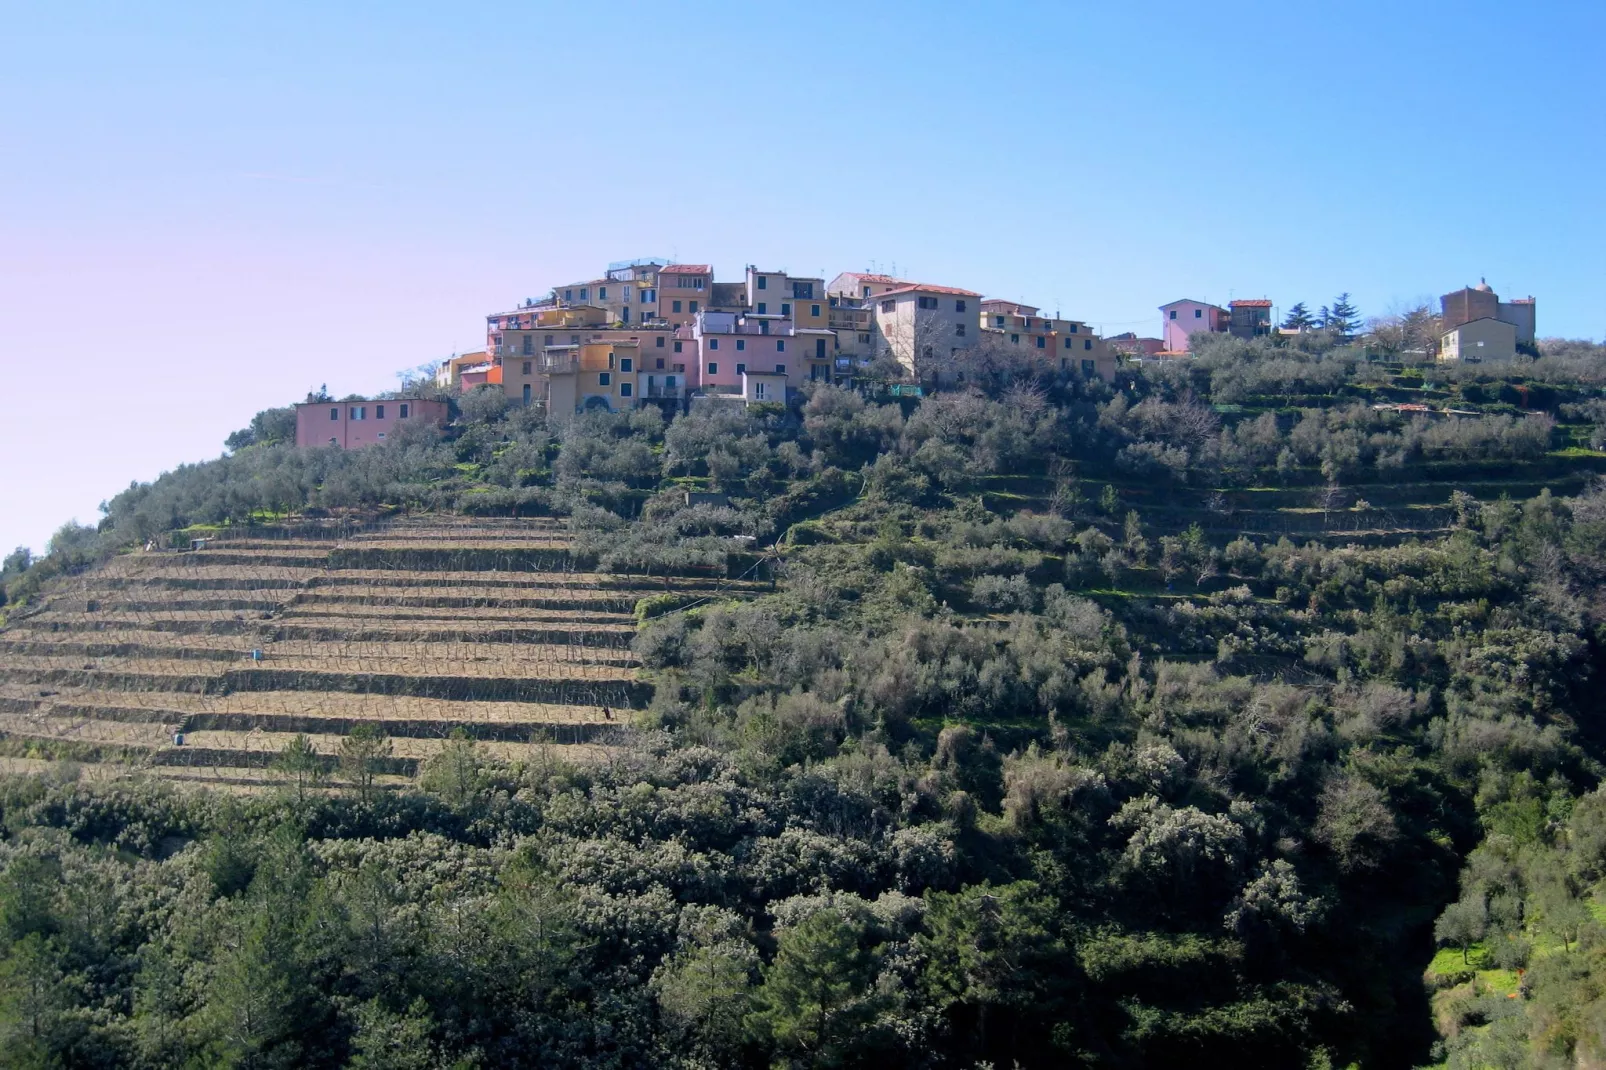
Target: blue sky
(207, 209)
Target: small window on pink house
(379, 414)
(334, 414)
(403, 414)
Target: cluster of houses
(1476, 326)
(654, 332)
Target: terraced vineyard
(200, 665)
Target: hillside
(1214, 714)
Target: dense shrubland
(1045, 747)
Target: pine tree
(1343, 319)
(300, 764)
(1299, 318)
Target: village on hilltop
(650, 331)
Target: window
(624, 390)
(528, 344)
(658, 343)
(334, 414)
(549, 339)
(780, 369)
(1073, 328)
(526, 393)
(780, 346)
(741, 369)
(334, 442)
(959, 306)
(669, 381)
(379, 412)
(1015, 338)
(381, 434)
(627, 295)
(674, 306)
(526, 370)
(1067, 343)
(998, 321)
(786, 308)
(404, 413)
(1088, 368)
(1173, 313)
(691, 306)
(927, 302)
(602, 293)
(819, 348)
(758, 391)
(713, 368)
(1198, 313)
(741, 344)
(805, 290)
(814, 310)
(604, 378)
(360, 412)
(762, 308)
(582, 295)
(763, 283)
(959, 329)
(568, 295)
(626, 364)
(889, 306)
(649, 296)
(660, 363)
(1028, 323)
(1040, 341)
(677, 347)
(1087, 343)
(713, 343)
(574, 339)
(624, 315)
(867, 291)
(864, 338)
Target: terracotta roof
(1250, 304)
(923, 288)
(867, 277)
(686, 269)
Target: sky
(210, 209)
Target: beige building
(924, 327)
(1472, 303)
(1481, 341)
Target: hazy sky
(207, 209)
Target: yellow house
(591, 375)
(1069, 345)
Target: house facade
(1481, 341)
(1180, 319)
(355, 423)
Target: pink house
(352, 424)
(731, 346)
(1179, 319)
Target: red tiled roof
(686, 269)
(923, 288)
(1250, 304)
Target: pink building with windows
(353, 424)
(1179, 319)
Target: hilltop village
(649, 331)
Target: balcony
(557, 364)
